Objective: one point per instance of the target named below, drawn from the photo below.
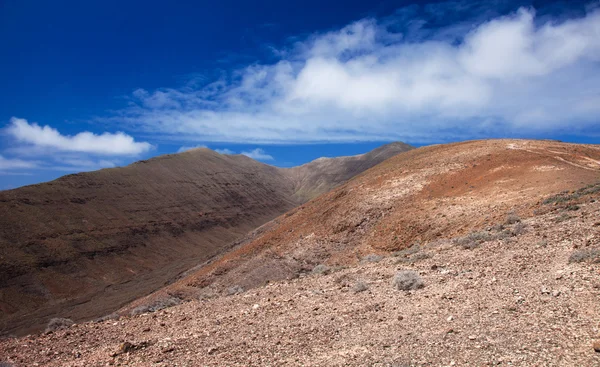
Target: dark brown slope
(525, 295)
(85, 244)
(321, 175)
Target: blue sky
(92, 84)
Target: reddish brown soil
(516, 300)
(418, 196)
(86, 244)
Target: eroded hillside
(86, 244)
(419, 196)
(500, 240)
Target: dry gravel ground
(507, 302)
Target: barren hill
(481, 253)
(86, 244)
(419, 196)
(323, 174)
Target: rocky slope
(504, 236)
(428, 193)
(86, 244)
(321, 175)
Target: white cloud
(81, 164)
(509, 75)
(84, 142)
(258, 154)
(225, 151)
(186, 148)
(14, 163)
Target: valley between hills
(87, 244)
(480, 253)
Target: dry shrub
(321, 269)
(407, 280)
(58, 323)
(371, 258)
(591, 255)
(236, 289)
(157, 305)
(360, 286)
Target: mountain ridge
(85, 244)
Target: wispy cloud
(513, 74)
(15, 163)
(84, 142)
(258, 154)
(186, 148)
(225, 151)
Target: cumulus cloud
(186, 148)
(258, 154)
(84, 142)
(511, 74)
(15, 163)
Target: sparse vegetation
(321, 269)
(58, 323)
(372, 258)
(567, 196)
(512, 218)
(6, 364)
(112, 316)
(496, 232)
(360, 286)
(236, 289)
(561, 218)
(414, 258)
(408, 251)
(407, 280)
(591, 255)
(473, 239)
(519, 229)
(156, 306)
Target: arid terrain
(497, 243)
(483, 253)
(86, 244)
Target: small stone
(555, 293)
(472, 337)
(596, 346)
(255, 306)
(545, 290)
(450, 318)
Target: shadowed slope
(524, 294)
(85, 244)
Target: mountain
(86, 244)
(419, 196)
(321, 175)
(481, 253)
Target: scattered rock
(596, 346)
